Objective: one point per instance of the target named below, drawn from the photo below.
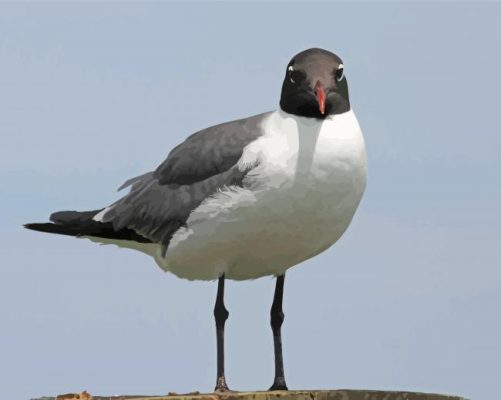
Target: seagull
(247, 198)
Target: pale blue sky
(410, 298)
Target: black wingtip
(33, 226)
(93, 228)
(48, 228)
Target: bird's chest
(316, 169)
(309, 183)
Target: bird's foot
(278, 384)
(221, 386)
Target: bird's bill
(320, 94)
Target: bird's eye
(290, 70)
(340, 73)
(294, 76)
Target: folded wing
(160, 202)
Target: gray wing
(160, 202)
(209, 152)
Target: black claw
(222, 389)
(221, 385)
(279, 385)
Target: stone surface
(279, 395)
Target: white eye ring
(340, 72)
(290, 70)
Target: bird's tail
(81, 223)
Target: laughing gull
(247, 198)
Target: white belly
(298, 201)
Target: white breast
(297, 150)
(301, 197)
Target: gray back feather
(160, 202)
(209, 152)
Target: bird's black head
(315, 85)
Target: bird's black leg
(277, 317)
(221, 315)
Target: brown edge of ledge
(339, 394)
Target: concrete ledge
(342, 394)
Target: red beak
(320, 93)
